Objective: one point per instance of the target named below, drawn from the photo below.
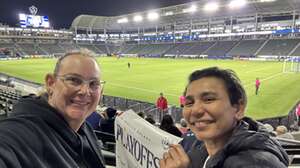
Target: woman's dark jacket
(37, 136)
(249, 146)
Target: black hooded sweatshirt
(249, 147)
(37, 136)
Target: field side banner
(138, 143)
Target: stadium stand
(6, 44)
(296, 51)
(246, 48)
(198, 48)
(68, 46)
(101, 48)
(51, 48)
(30, 49)
(220, 48)
(112, 49)
(124, 49)
(279, 47)
(179, 49)
(7, 98)
(135, 49)
(90, 47)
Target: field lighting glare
(123, 20)
(213, 6)
(267, 0)
(137, 18)
(237, 3)
(191, 9)
(152, 16)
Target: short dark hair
(81, 51)
(111, 112)
(166, 122)
(232, 83)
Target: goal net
(291, 64)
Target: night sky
(62, 12)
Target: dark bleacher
(198, 48)
(279, 47)
(126, 48)
(292, 147)
(179, 48)
(51, 48)
(246, 48)
(91, 47)
(221, 48)
(101, 48)
(108, 144)
(7, 99)
(30, 49)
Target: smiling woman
(68, 93)
(214, 110)
(50, 130)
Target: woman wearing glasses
(50, 130)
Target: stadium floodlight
(122, 20)
(137, 18)
(212, 6)
(169, 13)
(267, 0)
(191, 9)
(237, 3)
(152, 16)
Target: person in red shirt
(162, 105)
(298, 113)
(181, 101)
(257, 84)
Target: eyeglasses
(76, 82)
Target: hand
(175, 158)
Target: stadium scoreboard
(33, 21)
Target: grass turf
(148, 77)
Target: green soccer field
(148, 77)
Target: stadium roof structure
(188, 13)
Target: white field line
(268, 78)
(258, 70)
(169, 94)
(142, 89)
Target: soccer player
(257, 84)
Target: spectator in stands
(282, 132)
(50, 130)
(141, 114)
(150, 119)
(167, 124)
(257, 84)
(298, 113)
(214, 110)
(107, 124)
(269, 128)
(181, 101)
(183, 126)
(94, 120)
(162, 105)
